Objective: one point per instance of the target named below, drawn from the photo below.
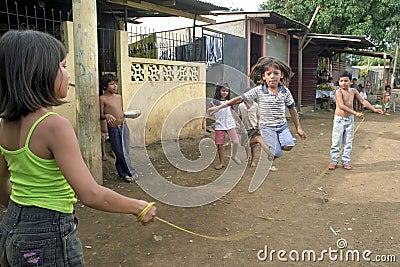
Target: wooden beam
(158, 8)
(168, 2)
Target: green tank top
(36, 181)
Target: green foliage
(363, 72)
(370, 61)
(378, 20)
(236, 10)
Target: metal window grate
(15, 16)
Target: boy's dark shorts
(247, 135)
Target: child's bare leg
(252, 144)
(221, 157)
(104, 132)
(103, 147)
(253, 153)
(247, 149)
(259, 140)
(235, 145)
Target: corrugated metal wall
(310, 67)
(337, 68)
(234, 67)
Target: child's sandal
(218, 167)
(347, 166)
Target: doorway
(255, 48)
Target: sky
(164, 24)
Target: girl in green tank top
(41, 167)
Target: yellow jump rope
(141, 215)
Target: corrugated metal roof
(197, 6)
(339, 41)
(191, 6)
(270, 17)
(364, 53)
(345, 44)
(208, 3)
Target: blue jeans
(276, 138)
(33, 236)
(342, 134)
(119, 139)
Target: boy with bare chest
(112, 107)
(111, 111)
(343, 123)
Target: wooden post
(383, 79)
(301, 47)
(87, 88)
(394, 67)
(300, 74)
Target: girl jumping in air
(271, 76)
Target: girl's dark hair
(29, 64)
(217, 94)
(105, 79)
(258, 70)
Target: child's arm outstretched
(365, 103)
(233, 101)
(70, 161)
(296, 121)
(341, 105)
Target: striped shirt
(271, 107)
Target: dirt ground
(301, 207)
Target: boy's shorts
(220, 136)
(276, 137)
(247, 135)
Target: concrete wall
(237, 28)
(170, 94)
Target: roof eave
(271, 18)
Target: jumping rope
(141, 215)
(247, 233)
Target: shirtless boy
(118, 131)
(343, 123)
